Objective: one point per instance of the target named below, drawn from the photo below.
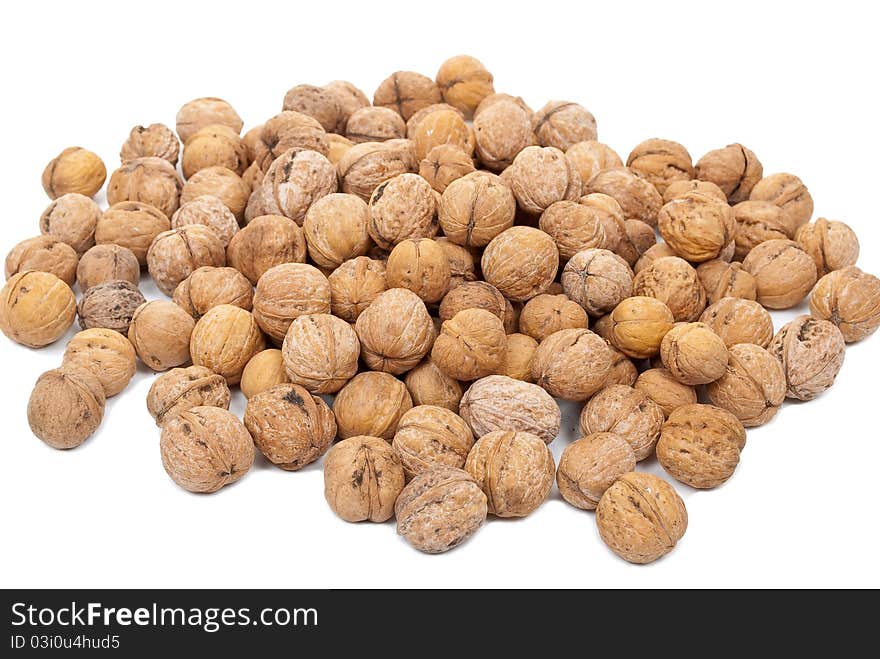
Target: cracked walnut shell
(832, 244)
(674, 282)
(572, 364)
(66, 406)
(104, 353)
(74, 170)
(373, 403)
(286, 292)
(182, 389)
(661, 162)
(784, 273)
(224, 340)
(160, 331)
(694, 354)
(753, 387)
(320, 353)
(428, 437)
(850, 299)
(45, 254)
(627, 412)
(811, 351)
(362, 479)
(395, 331)
(521, 262)
(472, 344)
(36, 308)
(590, 465)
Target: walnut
(721, 279)
(428, 437)
(363, 478)
(640, 237)
(521, 262)
(176, 254)
(811, 351)
(250, 140)
(476, 208)
(263, 371)
(694, 354)
(440, 509)
(208, 287)
(104, 353)
(590, 157)
(441, 127)
(662, 388)
(133, 225)
(218, 182)
(286, 292)
(395, 331)
(675, 283)
(572, 364)
(561, 124)
(758, 222)
(109, 262)
(72, 218)
(832, 244)
(597, 279)
(349, 98)
(850, 299)
(110, 305)
(501, 131)
(737, 320)
(698, 228)
(498, 402)
(65, 407)
(573, 226)
(182, 389)
(285, 131)
(753, 387)
(545, 314)
(629, 413)
(214, 146)
(413, 122)
(296, 180)
(265, 242)
(590, 465)
(464, 82)
(160, 332)
(473, 295)
(406, 92)
(735, 169)
(636, 196)
(658, 251)
(679, 189)
(354, 285)
(149, 180)
(540, 176)
(365, 166)
(700, 445)
(206, 448)
(320, 353)
(444, 164)
(641, 517)
(470, 345)
(638, 325)
(623, 371)
(661, 162)
(155, 140)
(784, 273)
(420, 266)
(374, 124)
(201, 112)
(514, 469)
(224, 340)
(335, 229)
(492, 99)
(74, 170)
(337, 147)
(210, 212)
(290, 427)
(428, 385)
(400, 208)
(45, 254)
(790, 194)
(317, 102)
(517, 363)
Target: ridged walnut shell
(72, 218)
(286, 292)
(174, 255)
(737, 320)
(753, 387)
(107, 263)
(288, 130)
(470, 345)
(365, 166)
(395, 331)
(572, 364)
(155, 140)
(638, 325)
(208, 287)
(320, 353)
(501, 131)
(545, 314)
(521, 262)
(735, 169)
(104, 353)
(65, 407)
(224, 340)
(406, 92)
(420, 266)
(263, 371)
(464, 82)
(266, 241)
(811, 352)
(400, 208)
(627, 412)
(784, 273)
(201, 112)
(721, 279)
(133, 225)
(428, 385)
(789, 193)
(636, 196)
(697, 227)
(150, 180)
(561, 124)
(45, 254)
(362, 479)
(670, 394)
(335, 229)
(850, 299)
(218, 182)
(74, 170)
(832, 244)
(661, 162)
(598, 280)
(110, 305)
(694, 354)
(210, 212)
(476, 208)
(674, 282)
(428, 437)
(590, 465)
(573, 227)
(590, 157)
(758, 222)
(540, 176)
(444, 164)
(371, 403)
(354, 285)
(182, 389)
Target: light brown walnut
(572, 364)
(753, 387)
(627, 412)
(590, 465)
(395, 331)
(850, 299)
(320, 353)
(737, 320)
(811, 351)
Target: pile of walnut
(435, 260)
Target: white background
(794, 82)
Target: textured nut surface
(362, 479)
(636, 196)
(471, 345)
(464, 82)
(150, 180)
(428, 437)
(789, 193)
(697, 227)
(406, 92)
(320, 352)
(850, 299)
(674, 282)
(374, 124)
(224, 340)
(36, 308)
(832, 244)
(784, 273)
(514, 469)
(721, 279)
(288, 130)
(441, 127)
(201, 112)
(661, 162)
(182, 389)
(160, 332)
(107, 263)
(638, 325)
(286, 292)
(562, 124)
(614, 224)
(65, 407)
(501, 131)
(758, 222)
(629, 413)
(133, 225)
(662, 388)
(365, 166)
(694, 354)
(679, 189)
(739, 321)
(498, 402)
(219, 182)
(545, 314)
(371, 403)
(420, 266)
(206, 448)
(518, 357)
(444, 164)
(354, 285)
(208, 287)
(540, 176)
(45, 254)
(641, 518)
(214, 146)
(110, 305)
(174, 255)
(428, 385)
(590, 465)
(263, 371)
(658, 251)
(335, 229)
(72, 218)
(623, 370)
(590, 157)
(598, 280)
(400, 208)
(74, 170)
(440, 509)
(700, 445)
(155, 140)
(573, 227)
(290, 427)
(210, 212)
(395, 331)
(735, 169)
(104, 353)
(317, 102)
(473, 295)
(572, 363)
(476, 208)
(521, 262)
(265, 242)
(753, 387)
(296, 180)
(811, 351)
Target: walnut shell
(44, 254)
(636, 196)
(354, 285)
(400, 208)
(420, 266)
(832, 244)
(658, 251)
(285, 131)
(440, 509)
(365, 166)
(679, 189)
(406, 92)
(320, 353)
(573, 226)
(290, 427)
(789, 193)
(296, 180)
(721, 279)
(74, 170)
(694, 354)
(214, 146)
(349, 97)
(428, 437)
(640, 237)
(476, 208)
(572, 364)
(758, 222)
(629, 413)
(224, 340)
(176, 254)
(182, 389)
(501, 131)
(319, 103)
(208, 287)
(395, 331)
(540, 176)
(590, 157)
(598, 280)
(473, 295)
(614, 225)
(811, 351)
(218, 182)
(201, 112)
(441, 127)
(160, 332)
(72, 218)
(286, 292)
(155, 140)
(514, 469)
(674, 282)
(362, 479)
(492, 99)
(623, 371)
(638, 325)
(471, 345)
(661, 162)
(371, 402)
(133, 225)
(590, 465)
(850, 299)
(784, 273)
(662, 388)
(265, 242)
(562, 124)
(335, 229)
(65, 407)
(110, 305)
(338, 147)
(753, 387)
(150, 180)
(739, 321)
(545, 314)
(428, 385)
(206, 448)
(263, 371)
(498, 402)
(521, 262)
(210, 212)
(104, 353)
(464, 82)
(698, 228)
(518, 357)
(444, 164)
(735, 169)
(107, 263)
(413, 122)
(374, 124)
(641, 517)
(700, 445)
